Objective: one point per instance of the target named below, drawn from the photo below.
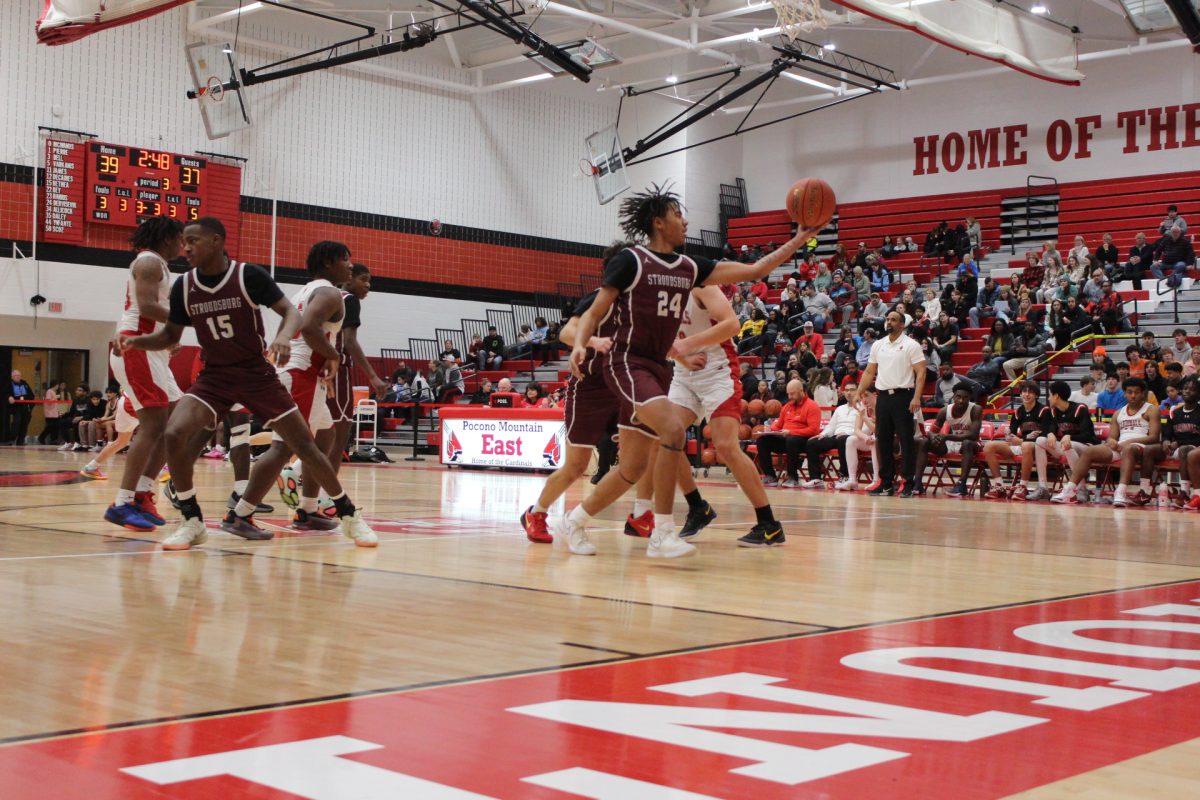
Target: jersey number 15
(220, 327)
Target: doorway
(41, 366)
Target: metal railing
(1032, 368)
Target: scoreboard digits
(129, 184)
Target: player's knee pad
(239, 435)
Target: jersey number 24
(670, 304)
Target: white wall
(864, 148)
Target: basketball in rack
(799, 16)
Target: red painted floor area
(1032, 694)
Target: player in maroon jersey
(220, 299)
(642, 296)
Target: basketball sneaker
(145, 503)
(815, 483)
(358, 531)
(668, 545)
(327, 508)
(245, 528)
(192, 532)
(998, 492)
(129, 516)
(789, 483)
(170, 493)
(577, 539)
(873, 485)
(164, 475)
(1066, 497)
(1193, 504)
(1179, 499)
(770, 480)
(303, 521)
(1141, 498)
(957, 490)
(697, 520)
(765, 534)
(1040, 493)
(534, 523)
(262, 508)
(93, 472)
(1120, 497)
(847, 485)
(642, 526)
(880, 491)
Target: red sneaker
(641, 526)
(1193, 504)
(144, 501)
(998, 492)
(872, 485)
(534, 523)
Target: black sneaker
(912, 490)
(697, 520)
(882, 490)
(245, 528)
(764, 534)
(171, 495)
(263, 508)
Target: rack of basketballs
(756, 415)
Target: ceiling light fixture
(1039, 9)
(672, 79)
(829, 46)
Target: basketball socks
(124, 496)
(641, 506)
(694, 500)
(765, 515)
(239, 487)
(145, 484)
(664, 524)
(244, 510)
(1031, 485)
(1144, 485)
(580, 517)
(188, 505)
(343, 505)
(538, 508)
(308, 505)
(92, 465)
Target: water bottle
(1164, 495)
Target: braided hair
(638, 211)
(154, 231)
(323, 253)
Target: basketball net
(799, 16)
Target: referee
(897, 367)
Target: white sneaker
(192, 532)
(577, 539)
(815, 483)
(1065, 496)
(1120, 499)
(358, 531)
(668, 545)
(65, 446)
(846, 486)
(789, 484)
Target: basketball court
(471, 153)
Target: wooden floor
(108, 641)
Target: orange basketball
(707, 433)
(757, 429)
(745, 405)
(744, 432)
(755, 408)
(773, 407)
(708, 456)
(811, 203)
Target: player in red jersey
(220, 299)
(146, 377)
(640, 305)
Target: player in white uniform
(126, 423)
(306, 375)
(1133, 427)
(146, 376)
(706, 386)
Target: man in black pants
(19, 410)
(897, 368)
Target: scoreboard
(128, 184)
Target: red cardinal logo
(454, 450)
(552, 454)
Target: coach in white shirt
(897, 367)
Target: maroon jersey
(224, 310)
(645, 317)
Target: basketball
(707, 433)
(773, 407)
(708, 456)
(755, 408)
(744, 432)
(289, 487)
(811, 203)
(758, 430)
(745, 405)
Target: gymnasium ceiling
(654, 39)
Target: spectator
(873, 314)
(1050, 280)
(909, 245)
(1100, 359)
(1079, 251)
(822, 388)
(986, 371)
(957, 308)
(968, 266)
(1028, 346)
(1086, 395)
(1192, 365)
(1174, 398)
(52, 411)
(1141, 256)
(88, 427)
(1034, 271)
(955, 430)
(1175, 252)
(779, 386)
(818, 308)
(823, 278)
(523, 346)
(1000, 340)
(834, 436)
(1123, 372)
(787, 350)
(1149, 347)
(750, 338)
(843, 297)
(1093, 289)
(936, 241)
(1136, 364)
(880, 278)
(860, 255)
(1076, 269)
(534, 396)
(483, 393)
(985, 302)
(974, 234)
(453, 384)
(493, 349)
(888, 248)
(920, 323)
(869, 335)
(763, 392)
(1180, 348)
(958, 245)
(943, 386)
(1108, 256)
(1173, 219)
(449, 351)
(943, 337)
(760, 289)
(18, 412)
(1108, 315)
(806, 360)
(1027, 313)
(106, 425)
(1112, 398)
(1155, 384)
(861, 284)
(932, 303)
(539, 339)
(798, 421)
(1006, 305)
(850, 373)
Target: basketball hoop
(589, 169)
(215, 89)
(799, 16)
